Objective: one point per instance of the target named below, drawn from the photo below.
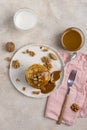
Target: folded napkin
(78, 93)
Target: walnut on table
(10, 46)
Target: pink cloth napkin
(78, 93)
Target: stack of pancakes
(37, 76)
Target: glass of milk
(25, 19)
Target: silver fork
(71, 79)
(70, 82)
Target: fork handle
(62, 110)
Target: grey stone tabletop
(18, 112)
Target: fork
(70, 82)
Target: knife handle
(62, 110)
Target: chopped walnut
(31, 53)
(48, 65)
(37, 79)
(53, 56)
(47, 62)
(8, 59)
(15, 64)
(75, 107)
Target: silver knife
(70, 82)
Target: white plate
(26, 61)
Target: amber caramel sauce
(55, 76)
(48, 88)
(51, 84)
(72, 40)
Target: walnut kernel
(48, 65)
(15, 64)
(10, 46)
(45, 59)
(75, 107)
(53, 56)
(31, 53)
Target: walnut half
(10, 46)
(53, 56)
(15, 64)
(75, 107)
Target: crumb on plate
(23, 88)
(17, 79)
(35, 92)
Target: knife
(70, 82)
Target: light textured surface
(18, 112)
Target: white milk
(24, 19)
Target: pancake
(37, 76)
